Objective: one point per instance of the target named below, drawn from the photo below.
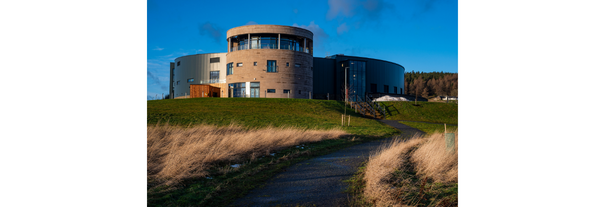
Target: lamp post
(346, 92)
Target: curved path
(318, 181)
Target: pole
(346, 90)
(349, 121)
(328, 96)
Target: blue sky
(421, 35)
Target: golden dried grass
(175, 153)
(432, 159)
(426, 155)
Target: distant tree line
(431, 84)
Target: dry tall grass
(175, 153)
(425, 155)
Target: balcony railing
(214, 81)
(268, 46)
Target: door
(254, 92)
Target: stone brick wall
(287, 77)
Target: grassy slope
(254, 113)
(426, 111)
(430, 128)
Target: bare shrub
(175, 153)
(427, 156)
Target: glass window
(229, 68)
(386, 88)
(190, 80)
(395, 91)
(177, 82)
(271, 66)
(178, 63)
(297, 65)
(299, 91)
(287, 64)
(215, 60)
(270, 90)
(240, 64)
(254, 63)
(286, 90)
(214, 76)
(254, 84)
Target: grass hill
(261, 112)
(425, 111)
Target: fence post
(349, 121)
(450, 140)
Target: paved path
(318, 181)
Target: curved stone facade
(293, 71)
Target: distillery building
(276, 61)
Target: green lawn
(425, 111)
(261, 112)
(430, 128)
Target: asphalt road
(318, 181)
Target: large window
(237, 89)
(291, 43)
(214, 76)
(215, 60)
(271, 66)
(357, 79)
(263, 42)
(270, 90)
(229, 68)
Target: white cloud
(158, 48)
(342, 28)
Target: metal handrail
(366, 107)
(376, 106)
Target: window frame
(230, 68)
(274, 66)
(239, 65)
